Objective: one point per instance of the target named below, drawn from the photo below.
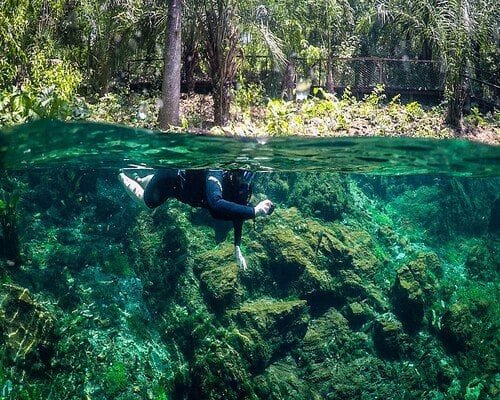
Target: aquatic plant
(115, 379)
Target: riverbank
(254, 116)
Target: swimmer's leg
(133, 188)
(144, 181)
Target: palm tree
(171, 87)
(453, 28)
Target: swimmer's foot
(133, 188)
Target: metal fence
(485, 94)
(361, 74)
(364, 74)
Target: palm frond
(274, 44)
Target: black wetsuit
(222, 193)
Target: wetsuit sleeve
(225, 209)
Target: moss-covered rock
(322, 195)
(160, 246)
(355, 288)
(414, 289)
(269, 327)
(389, 338)
(218, 274)
(293, 257)
(358, 313)
(470, 322)
(282, 381)
(367, 377)
(483, 261)
(349, 248)
(221, 284)
(26, 327)
(326, 337)
(288, 253)
(218, 372)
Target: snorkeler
(225, 194)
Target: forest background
(124, 61)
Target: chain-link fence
(408, 77)
(363, 74)
(486, 95)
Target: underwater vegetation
(357, 287)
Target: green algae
(115, 380)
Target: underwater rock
(353, 287)
(288, 253)
(292, 260)
(483, 262)
(326, 337)
(471, 324)
(159, 244)
(218, 274)
(321, 195)
(414, 288)
(367, 377)
(358, 313)
(221, 284)
(389, 338)
(26, 326)
(219, 372)
(281, 380)
(268, 327)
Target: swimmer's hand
(264, 208)
(240, 260)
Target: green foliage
(249, 95)
(278, 117)
(476, 118)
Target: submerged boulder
(358, 313)
(292, 247)
(389, 338)
(26, 326)
(414, 288)
(219, 372)
(221, 284)
(321, 195)
(483, 261)
(471, 324)
(282, 380)
(219, 276)
(326, 337)
(267, 327)
(354, 288)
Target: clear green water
(377, 276)
(54, 143)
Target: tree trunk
(190, 58)
(456, 103)
(221, 45)
(330, 87)
(456, 93)
(289, 79)
(171, 86)
(222, 103)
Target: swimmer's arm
(230, 210)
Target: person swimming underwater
(224, 193)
